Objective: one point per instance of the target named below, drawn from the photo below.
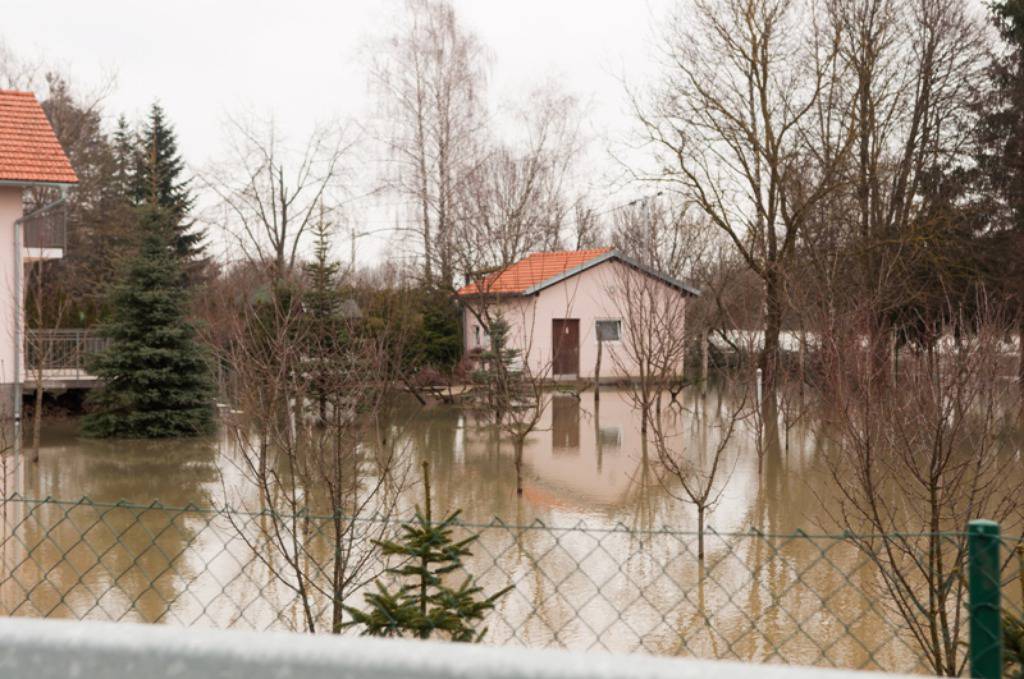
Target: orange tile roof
(530, 271)
(29, 150)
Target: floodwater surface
(600, 547)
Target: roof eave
(600, 259)
(35, 183)
(495, 295)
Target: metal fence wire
(798, 598)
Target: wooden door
(565, 341)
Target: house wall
(10, 211)
(599, 293)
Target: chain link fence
(824, 600)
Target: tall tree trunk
(705, 341)
(769, 360)
(519, 466)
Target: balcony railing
(62, 354)
(46, 229)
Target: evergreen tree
(158, 181)
(324, 319)
(440, 342)
(497, 375)
(424, 604)
(1001, 157)
(125, 147)
(156, 380)
(1013, 646)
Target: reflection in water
(565, 425)
(586, 462)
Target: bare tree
(913, 466)
(516, 200)
(697, 477)
(909, 73)
(271, 197)
(327, 483)
(17, 73)
(669, 236)
(732, 125)
(653, 331)
(430, 78)
(50, 305)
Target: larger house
(30, 157)
(560, 305)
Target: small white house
(30, 156)
(559, 305)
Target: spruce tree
(158, 181)
(323, 316)
(424, 603)
(156, 380)
(496, 376)
(125, 148)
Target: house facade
(30, 157)
(560, 306)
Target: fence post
(986, 628)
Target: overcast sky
(305, 61)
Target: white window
(608, 331)
(480, 337)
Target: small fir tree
(424, 604)
(496, 374)
(156, 380)
(499, 359)
(440, 345)
(1013, 646)
(323, 313)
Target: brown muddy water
(600, 549)
(583, 463)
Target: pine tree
(496, 374)
(1013, 646)
(158, 181)
(499, 359)
(156, 380)
(440, 343)
(1000, 137)
(125, 149)
(425, 604)
(324, 321)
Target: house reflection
(565, 425)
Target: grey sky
(306, 61)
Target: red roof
(534, 269)
(29, 150)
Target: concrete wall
(10, 211)
(58, 649)
(600, 293)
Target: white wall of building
(10, 211)
(595, 294)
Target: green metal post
(985, 614)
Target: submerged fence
(854, 601)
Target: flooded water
(585, 462)
(600, 546)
